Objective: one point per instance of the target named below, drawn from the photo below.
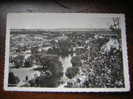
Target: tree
(28, 62)
(63, 47)
(115, 27)
(12, 79)
(34, 51)
(71, 72)
(52, 69)
(76, 61)
(19, 61)
(116, 23)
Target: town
(72, 59)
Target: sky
(58, 20)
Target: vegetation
(76, 61)
(28, 62)
(101, 69)
(51, 72)
(18, 61)
(71, 72)
(13, 80)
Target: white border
(32, 89)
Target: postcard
(66, 52)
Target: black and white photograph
(66, 52)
